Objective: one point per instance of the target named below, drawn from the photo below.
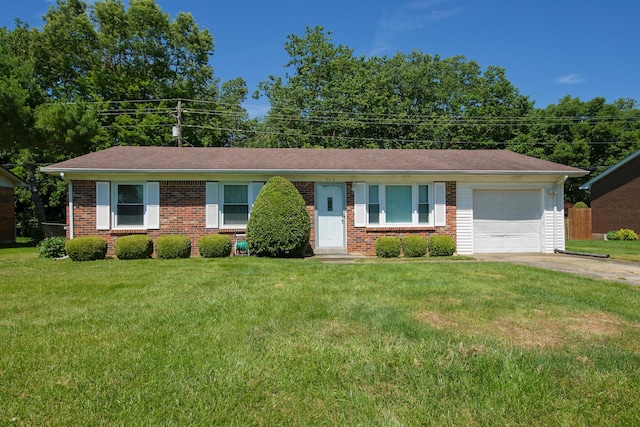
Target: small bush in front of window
(171, 246)
(441, 246)
(279, 225)
(388, 247)
(414, 246)
(52, 247)
(136, 246)
(214, 246)
(86, 248)
(626, 234)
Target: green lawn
(618, 249)
(246, 341)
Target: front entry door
(330, 208)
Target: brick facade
(615, 199)
(362, 239)
(7, 215)
(182, 211)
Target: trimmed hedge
(388, 247)
(279, 225)
(441, 246)
(414, 246)
(52, 247)
(135, 246)
(86, 248)
(172, 246)
(214, 246)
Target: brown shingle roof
(303, 160)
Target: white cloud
(570, 79)
(410, 17)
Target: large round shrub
(171, 246)
(135, 246)
(414, 246)
(215, 246)
(279, 225)
(441, 246)
(388, 247)
(86, 248)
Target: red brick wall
(307, 190)
(615, 199)
(362, 239)
(7, 215)
(182, 211)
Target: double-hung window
(229, 204)
(398, 204)
(127, 205)
(130, 205)
(236, 204)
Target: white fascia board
(56, 171)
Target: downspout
(70, 184)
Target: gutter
(310, 171)
(555, 212)
(70, 184)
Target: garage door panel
(507, 221)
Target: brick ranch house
(487, 200)
(615, 196)
(8, 182)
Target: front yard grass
(247, 341)
(628, 250)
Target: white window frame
(415, 216)
(253, 188)
(146, 210)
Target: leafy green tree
(330, 98)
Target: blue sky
(549, 48)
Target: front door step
(330, 251)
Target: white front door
(330, 209)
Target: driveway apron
(597, 268)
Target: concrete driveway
(598, 268)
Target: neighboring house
(615, 196)
(8, 182)
(487, 200)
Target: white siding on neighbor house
(464, 219)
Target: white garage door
(507, 221)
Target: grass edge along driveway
(246, 341)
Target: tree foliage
(101, 74)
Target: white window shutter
(440, 208)
(212, 212)
(153, 205)
(255, 189)
(103, 205)
(360, 204)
